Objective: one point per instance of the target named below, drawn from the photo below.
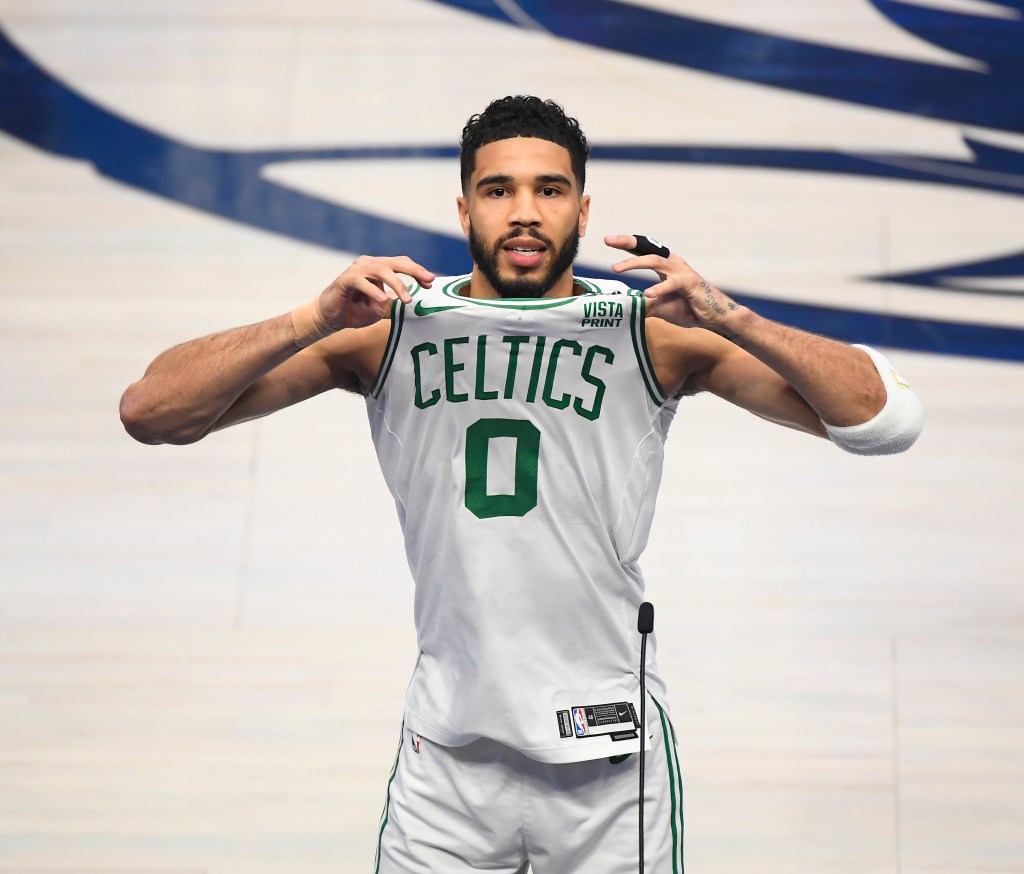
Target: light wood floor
(204, 649)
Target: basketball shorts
(487, 807)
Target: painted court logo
(51, 114)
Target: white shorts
(487, 807)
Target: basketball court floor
(204, 649)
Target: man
(519, 415)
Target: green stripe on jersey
(589, 286)
(643, 357)
(397, 320)
(453, 288)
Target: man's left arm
(862, 402)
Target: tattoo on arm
(710, 300)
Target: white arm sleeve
(897, 424)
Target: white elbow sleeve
(897, 424)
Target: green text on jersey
(559, 372)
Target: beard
(524, 286)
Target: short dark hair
(523, 116)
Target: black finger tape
(649, 246)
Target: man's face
(523, 215)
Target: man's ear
(584, 214)
(463, 214)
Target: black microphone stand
(645, 625)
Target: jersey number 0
(478, 441)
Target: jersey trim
(511, 303)
(588, 285)
(387, 800)
(675, 783)
(397, 320)
(643, 355)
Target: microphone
(645, 618)
(645, 625)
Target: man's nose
(524, 210)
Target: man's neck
(479, 286)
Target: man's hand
(362, 295)
(683, 296)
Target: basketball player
(519, 414)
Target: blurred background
(204, 649)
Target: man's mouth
(524, 253)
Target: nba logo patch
(579, 719)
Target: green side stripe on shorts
(676, 789)
(682, 814)
(387, 801)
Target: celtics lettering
(563, 374)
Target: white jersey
(523, 443)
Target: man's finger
(405, 264)
(661, 289)
(393, 281)
(403, 294)
(621, 241)
(640, 262)
(639, 244)
(649, 246)
(369, 288)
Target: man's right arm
(243, 373)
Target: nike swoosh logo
(422, 310)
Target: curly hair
(523, 116)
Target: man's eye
(499, 192)
(549, 191)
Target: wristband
(309, 325)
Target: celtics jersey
(523, 443)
